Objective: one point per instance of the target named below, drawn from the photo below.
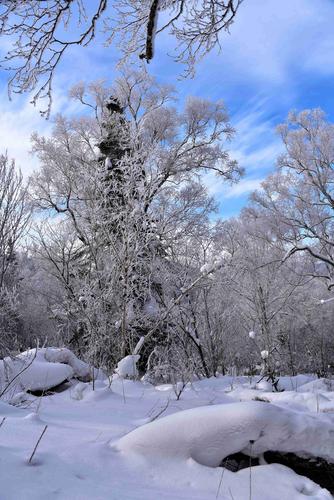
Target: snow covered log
(209, 434)
(81, 370)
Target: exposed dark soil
(316, 469)
(57, 389)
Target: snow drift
(211, 433)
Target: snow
(132, 440)
(211, 433)
(252, 335)
(264, 354)
(81, 370)
(264, 385)
(126, 367)
(34, 373)
(41, 369)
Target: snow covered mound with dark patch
(41, 369)
(211, 433)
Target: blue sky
(278, 56)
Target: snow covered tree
(127, 186)
(298, 200)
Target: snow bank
(209, 434)
(295, 382)
(321, 384)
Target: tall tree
(14, 219)
(129, 201)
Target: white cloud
(19, 119)
(217, 187)
(245, 186)
(270, 40)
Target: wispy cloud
(18, 120)
(244, 187)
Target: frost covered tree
(126, 186)
(298, 200)
(44, 30)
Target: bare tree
(43, 31)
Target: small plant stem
(36, 446)
(221, 480)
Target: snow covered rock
(211, 433)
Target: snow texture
(134, 441)
(211, 433)
(126, 367)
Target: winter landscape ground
(128, 439)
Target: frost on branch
(41, 33)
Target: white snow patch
(127, 367)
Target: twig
(39, 439)
(2, 421)
(230, 492)
(124, 400)
(250, 469)
(20, 373)
(161, 411)
(221, 479)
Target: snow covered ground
(136, 441)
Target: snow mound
(211, 433)
(321, 384)
(27, 372)
(41, 369)
(264, 385)
(127, 367)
